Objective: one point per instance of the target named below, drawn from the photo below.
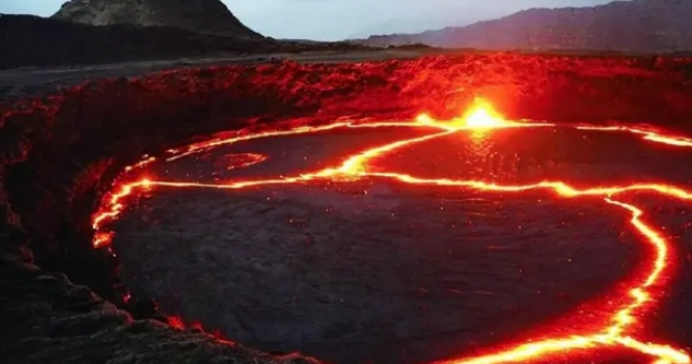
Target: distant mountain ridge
(645, 26)
(200, 16)
(409, 25)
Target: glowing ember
(237, 161)
(622, 323)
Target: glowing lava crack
(624, 320)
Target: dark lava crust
(60, 152)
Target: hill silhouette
(46, 42)
(641, 26)
(200, 16)
(35, 41)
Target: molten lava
(482, 116)
(623, 323)
(237, 161)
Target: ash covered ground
(379, 271)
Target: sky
(340, 19)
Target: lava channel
(626, 319)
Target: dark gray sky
(338, 19)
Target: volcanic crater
(315, 266)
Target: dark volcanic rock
(31, 41)
(34, 41)
(643, 26)
(201, 16)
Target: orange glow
(482, 116)
(622, 324)
(175, 322)
(241, 160)
(650, 135)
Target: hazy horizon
(340, 19)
